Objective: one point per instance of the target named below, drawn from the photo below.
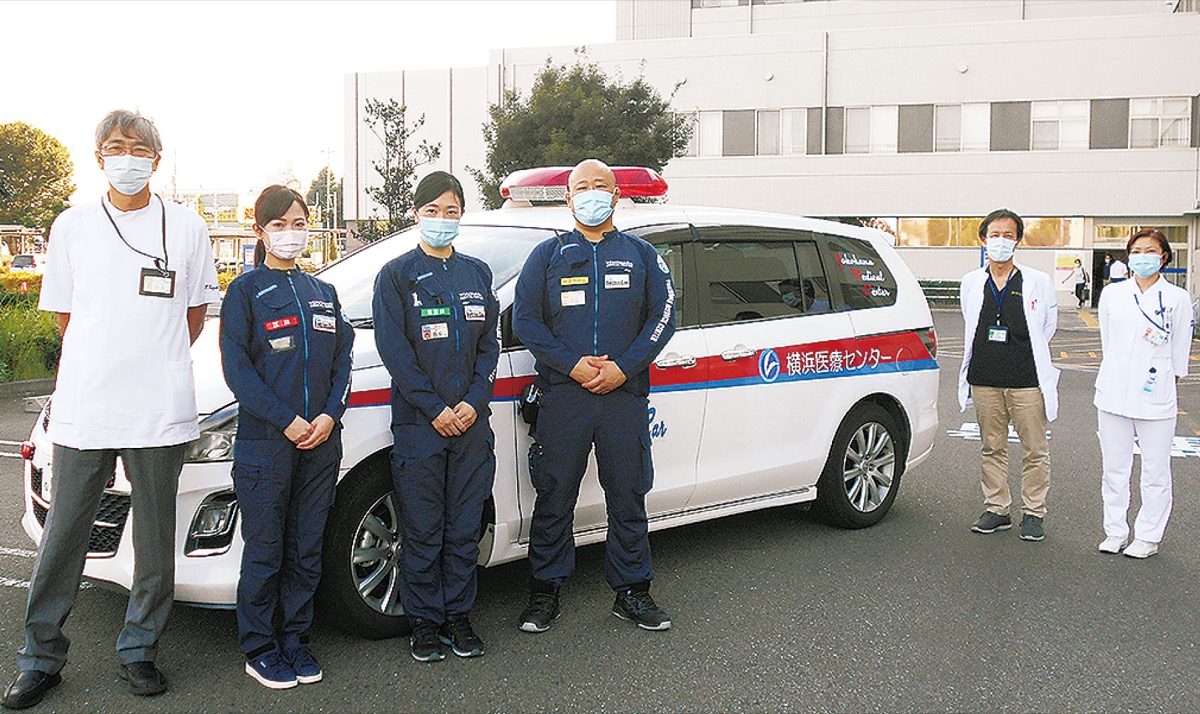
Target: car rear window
(865, 279)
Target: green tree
(326, 192)
(37, 173)
(577, 112)
(387, 122)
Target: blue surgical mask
(438, 232)
(592, 207)
(1145, 265)
(128, 174)
(1000, 250)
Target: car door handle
(738, 353)
(684, 361)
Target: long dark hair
(272, 203)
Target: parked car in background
(28, 263)
(803, 370)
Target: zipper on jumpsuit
(454, 305)
(304, 334)
(596, 301)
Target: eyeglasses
(140, 150)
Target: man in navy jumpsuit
(595, 307)
(435, 327)
(286, 353)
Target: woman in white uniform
(1145, 331)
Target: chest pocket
(573, 290)
(279, 319)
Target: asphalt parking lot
(772, 611)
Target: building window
(708, 134)
(872, 130)
(767, 143)
(1059, 125)
(794, 138)
(1159, 121)
(718, 3)
(962, 127)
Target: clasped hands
(598, 375)
(455, 422)
(307, 436)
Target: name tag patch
(580, 280)
(287, 343)
(1155, 336)
(325, 323)
(475, 312)
(435, 312)
(572, 298)
(435, 331)
(613, 281)
(281, 323)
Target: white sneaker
(1141, 549)
(1113, 544)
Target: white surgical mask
(286, 245)
(1000, 250)
(128, 174)
(1145, 265)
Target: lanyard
(1161, 311)
(160, 263)
(999, 296)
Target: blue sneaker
(304, 665)
(272, 670)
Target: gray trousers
(79, 480)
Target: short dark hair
(1155, 235)
(997, 215)
(272, 203)
(434, 185)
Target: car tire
(361, 578)
(862, 474)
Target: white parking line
(1181, 446)
(19, 552)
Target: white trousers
(1154, 436)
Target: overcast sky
(242, 90)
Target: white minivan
(803, 370)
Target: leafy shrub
(225, 278)
(29, 341)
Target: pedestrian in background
(1078, 279)
(1010, 313)
(1117, 271)
(130, 277)
(1146, 335)
(435, 321)
(286, 352)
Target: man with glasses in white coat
(1010, 313)
(129, 278)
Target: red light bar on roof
(549, 183)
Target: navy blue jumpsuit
(286, 352)
(435, 328)
(577, 298)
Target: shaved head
(591, 173)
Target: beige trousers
(995, 408)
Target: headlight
(211, 532)
(218, 431)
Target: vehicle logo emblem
(768, 365)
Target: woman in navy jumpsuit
(435, 327)
(286, 351)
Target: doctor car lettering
(866, 276)
(875, 290)
(849, 259)
(281, 323)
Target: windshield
(503, 248)
(22, 261)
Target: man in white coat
(1010, 313)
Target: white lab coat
(1128, 357)
(1041, 314)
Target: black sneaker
(542, 608)
(991, 522)
(1031, 528)
(462, 639)
(637, 606)
(426, 646)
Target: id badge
(998, 333)
(157, 283)
(1155, 336)
(435, 331)
(573, 298)
(475, 313)
(324, 323)
(287, 343)
(616, 281)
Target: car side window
(865, 280)
(670, 241)
(809, 292)
(745, 280)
